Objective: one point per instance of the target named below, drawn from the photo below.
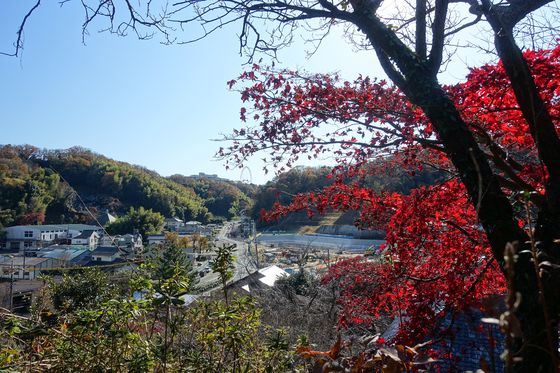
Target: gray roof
(153, 236)
(19, 260)
(106, 218)
(62, 253)
(84, 235)
(105, 251)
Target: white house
(156, 239)
(159, 239)
(105, 254)
(87, 238)
(131, 242)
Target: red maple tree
(438, 259)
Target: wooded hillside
(39, 186)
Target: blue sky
(136, 101)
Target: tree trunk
(537, 344)
(538, 310)
(416, 77)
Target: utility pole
(12, 285)
(254, 233)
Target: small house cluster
(190, 227)
(28, 250)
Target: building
(20, 267)
(131, 243)
(107, 254)
(264, 278)
(173, 224)
(202, 175)
(156, 239)
(21, 237)
(467, 339)
(87, 238)
(159, 239)
(106, 218)
(192, 227)
(67, 256)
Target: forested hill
(43, 186)
(223, 198)
(38, 185)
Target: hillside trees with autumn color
(441, 256)
(42, 186)
(223, 198)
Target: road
(244, 262)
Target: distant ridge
(41, 185)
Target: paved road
(244, 262)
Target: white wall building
(87, 238)
(105, 254)
(20, 237)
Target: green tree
(171, 262)
(79, 290)
(223, 264)
(145, 221)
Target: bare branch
(18, 45)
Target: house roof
(105, 251)
(84, 235)
(106, 218)
(263, 277)
(271, 274)
(18, 261)
(66, 254)
(174, 219)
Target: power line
(74, 191)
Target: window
(98, 259)
(28, 234)
(14, 245)
(27, 244)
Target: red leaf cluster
(437, 260)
